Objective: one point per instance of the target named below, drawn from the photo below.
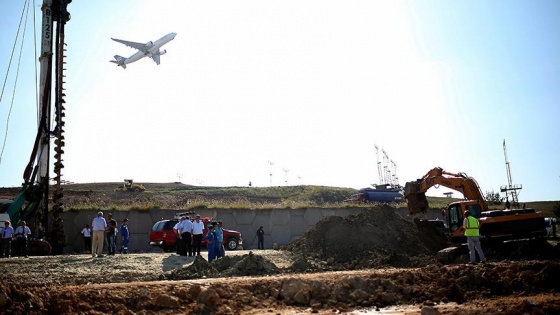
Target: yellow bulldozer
(130, 185)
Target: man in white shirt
(86, 232)
(186, 237)
(98, 226)
(197, 229)
(178, 241)
(22, 233)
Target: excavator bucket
(415, 200)
(417, 203)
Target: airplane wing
(139, 46)
(155, 57)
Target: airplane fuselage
(149, 49)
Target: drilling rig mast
(32, 203)
(510, 189)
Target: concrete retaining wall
(281, 226)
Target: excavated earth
(373, 262)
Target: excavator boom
(415, 192)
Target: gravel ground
(370, 263)
(167, 283)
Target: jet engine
(149, 44)
(162, 52)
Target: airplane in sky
(149, 49)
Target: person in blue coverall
(212, 240)
(125, 235)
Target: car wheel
(231, 243)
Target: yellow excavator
(508, 224)
(130, 185)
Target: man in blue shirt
(125, 235)
(220, 240)
(98, 227)
(7, 236)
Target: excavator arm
(415, 192)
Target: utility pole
(271, 164)
(510, 188)
(286, 178)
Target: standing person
(111, 234)
(86, 232)
(211, 241)
(220, 243)
(22, 233)
(125, 235)
(7, 236)
(471, 226)
(197, 229)
(178, 240)
(98, 226)
(260, 238)
(186, 237)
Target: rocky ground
(369, 263)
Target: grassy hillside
(102, 196)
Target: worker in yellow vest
(470, 224)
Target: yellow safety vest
(472, 227)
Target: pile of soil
(228, 266)
(375, 237)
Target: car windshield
(158, 226)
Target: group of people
(20, 234)
(215, 241)
(105, 231)
(189, 235)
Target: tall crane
(510, 189)
(386, 170)
(378, 165)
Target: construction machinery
(33, 201)
(379, 193)
(494, 224)
(130, 185)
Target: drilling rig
(33, 201)
(510, 189)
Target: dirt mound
(228, 266)
(200, 268)
(377, 236)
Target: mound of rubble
(228, 266)
(375, 237)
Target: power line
(25, 9)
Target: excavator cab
(455, 215)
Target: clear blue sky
(309, 85)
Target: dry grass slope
(102, 196)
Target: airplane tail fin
(119, 60)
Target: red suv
(162, 235)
